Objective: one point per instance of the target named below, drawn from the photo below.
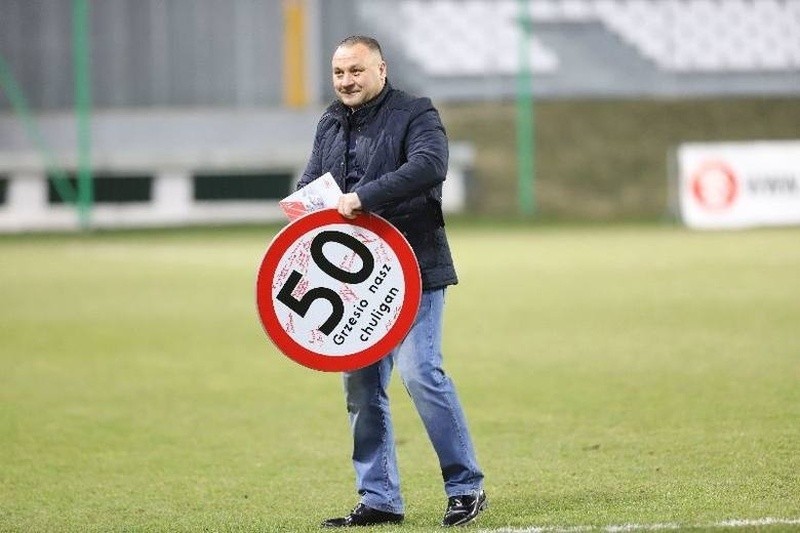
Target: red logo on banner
(335, 294)
(714, 186)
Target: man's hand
(349, 205)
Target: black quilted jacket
(401, 147)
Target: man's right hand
(349, 205)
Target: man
(388, 151)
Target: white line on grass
(743, 522)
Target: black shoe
(464, 509)
(363, 516)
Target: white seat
(480, 37)
(544, 10)
(576, 10)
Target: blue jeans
(419, 359)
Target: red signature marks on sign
(347, 294)
(364, 237)
(289, 327)
(316, 338)
(298, 258)
(382, 254)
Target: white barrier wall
(27, 207)
(739, 185)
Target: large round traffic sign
(335, 294)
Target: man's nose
(347, 79)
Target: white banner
(739, 185)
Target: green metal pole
(526, 154)
(16, 97)
(83, 102)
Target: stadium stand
(482, 29)
(707, 35)
(474, 37)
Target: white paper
(321, 193)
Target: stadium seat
(481, 37)
(470, 38)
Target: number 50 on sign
(335, 294)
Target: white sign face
(335, 294)
(736, 185)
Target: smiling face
(359, 74)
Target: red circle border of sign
(338, 363)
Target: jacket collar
(343, 113)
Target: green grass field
(611, 375)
